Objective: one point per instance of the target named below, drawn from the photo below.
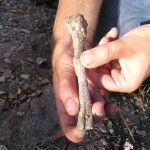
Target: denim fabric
(124, 14)
(133, 13)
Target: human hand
(66, 93)
(121, 65)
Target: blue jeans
(124, 14)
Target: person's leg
(133, 13)
(124, 14)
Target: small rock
(22, 97)
(4, 96)
(31, 95)
(1, 26)
(25, 30)
(142, 133)
(21, 47)
(2, 79)
(20, 114)
(109, 125)
(3, 104)
(44, 81)
(7, 60)
(18, 91)
(104, 142)
(2, 92)
(3, 147)
(125, 130)
(103, 128)
(28, 100)
(13, 96)
(33, 86)
(6, 55)
(24, 76)
(7, 73)
(13, 48)
(30, 60)
(111, 131)
(143, 109)
(41, 61)
(124, 98)
(143, 148)
(128, 146)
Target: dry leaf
(24, 76)
(44, 81)
(38, 92)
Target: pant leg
(124, 14)
(132, 13)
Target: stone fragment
(41, 61)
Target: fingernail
(71, 107)
(111, 31)
(87, 58)
(99, 112)
(80, 134)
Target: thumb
(102, 54)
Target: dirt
(28, 115)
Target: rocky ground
(28, 116)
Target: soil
(28, 115)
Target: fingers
(68, 122)
(97, 104)
(104, 80)
(102, 54)
(92, 59)
(110, 107)
(68, 94)
(110, 36)
(102, 105)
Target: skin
(64, 77)
(122, 64)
